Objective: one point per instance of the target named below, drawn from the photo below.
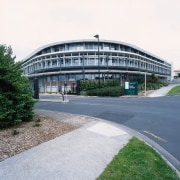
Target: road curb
(170, 159)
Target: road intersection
(156, 118)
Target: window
(88, 76)
(114, 61)
(49, 63)
(91, 61)
(79, 76)
(48, 78)
(54, 62)
(85, 61)
(67, 61)
(71, 47)
(88, 46)
(75, 54)
(54, 78)
(53, 56)
(71, 77)
(79, 46)
(62, 48)
(75, 61)
(106, 46)
(62, 77)
(112, 47)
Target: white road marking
(155, 136)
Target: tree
(16, 102)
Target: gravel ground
(29, 134)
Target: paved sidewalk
(82, 154)
(162, 91)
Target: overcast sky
(153, 25)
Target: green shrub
(151, 85)
(83, 93)
(107, 91)
(86, 85)
(15, 95)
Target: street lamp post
(107, 60)
(60, 74)
(43, 77)
(127, 76)
(145, 85)
(145, 80)
(60, 82)
(97, 37)
(83, 67)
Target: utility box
(131, 88)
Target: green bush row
(86, 85)
(112, 87)
(151, 86)
(152, 83)
(106, 91)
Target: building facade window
(76, 60)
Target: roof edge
(92, 40)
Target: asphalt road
(157, 118)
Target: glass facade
(76, 60)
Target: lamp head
(96, 36)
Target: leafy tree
(16, 102)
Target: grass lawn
(175, 90)
(138, 161)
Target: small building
(176, 74)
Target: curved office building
(61, 64)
